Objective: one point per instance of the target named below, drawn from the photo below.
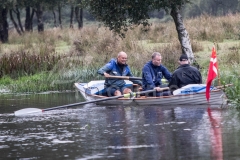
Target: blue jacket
(152, 75)
(113, 68)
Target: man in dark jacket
(117, 67)
(152, 73)
(184, 74)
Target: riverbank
(57, 58)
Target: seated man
(184, 74)
(152, 73)
(117, 67)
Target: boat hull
(217, 97)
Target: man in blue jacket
(117, 67)
(152, 73)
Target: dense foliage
(120, 15)
(26, 14)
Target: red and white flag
(212, 72)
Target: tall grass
(24, 63)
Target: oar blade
(28, 111)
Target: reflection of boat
(217, 97)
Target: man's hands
(106, 75)
(158, 89)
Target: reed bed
(18, 64)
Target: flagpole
(219, 83)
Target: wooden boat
(217, 97)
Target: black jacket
(184, 75)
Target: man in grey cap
(184, 74)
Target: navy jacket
(112, 68)
(184, 75)
(152, 75)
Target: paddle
(28, 111)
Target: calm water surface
(115, 132)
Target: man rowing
(117, 67)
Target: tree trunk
(80, 19)
(29, 18)
(14, 22)
(54, 18)
(3, 25)
(39, 14)
(19, 19)
(71, 17)
(60, 15)
(79, 16)
(182, 34)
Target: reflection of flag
(212, 72)
(216, 135)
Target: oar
(125, 77)
(130, 78)
(28, 111)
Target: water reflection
(215, 135)
(116, 132)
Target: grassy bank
(57, 58)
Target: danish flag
(212, 72)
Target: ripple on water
(131, 147)
(4, 146)
(60, 141)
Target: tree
(29, 18)
(77, 7)
(182, 33)
(39, 13)
(14, 8)
(211, 7)
(119, 15)
(14, 22)
(3, 23)
(30, 10)
(71, 16)
(79, 16)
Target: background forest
(29, 15)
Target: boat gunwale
(143, 98)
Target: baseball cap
(183, 57)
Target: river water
(115, 132)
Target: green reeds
(21, 63)
(48, 81)
(232, 76)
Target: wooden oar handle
(124, 77)
(118, 77)
(165, 88)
